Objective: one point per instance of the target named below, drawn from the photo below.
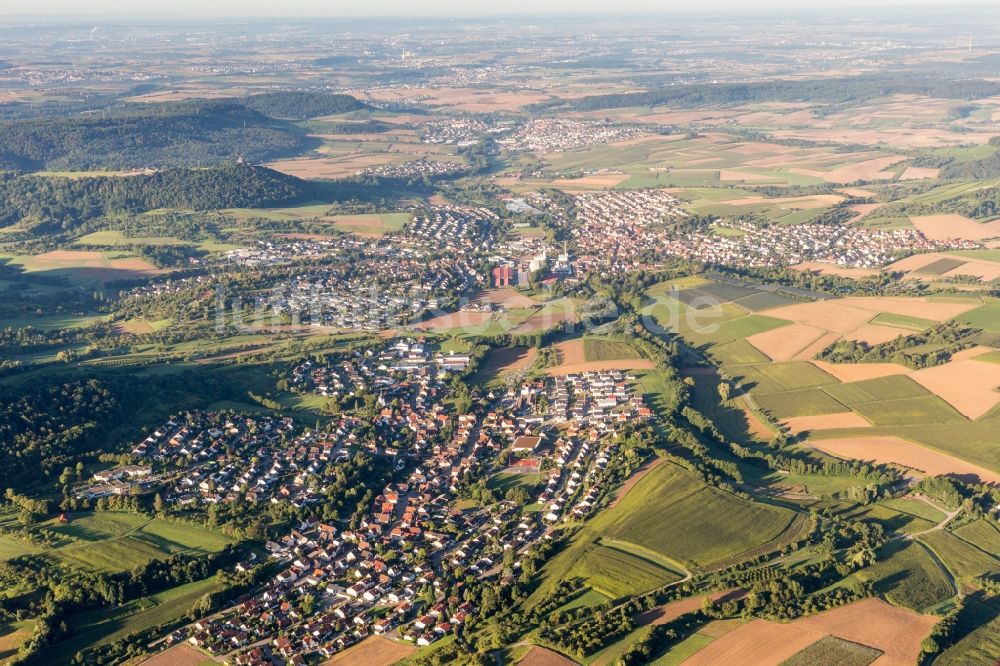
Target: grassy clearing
(982, 645)
(890, 518)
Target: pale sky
(412, 8)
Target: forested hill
(53, 204)
(301, 105)
(161, 135)
(828, 91)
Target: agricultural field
(715, 159)
(908, 576)
(112, 542)
(884, 412)
(671, 521)
(101, 627)
(874, 624)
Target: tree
(159, 505)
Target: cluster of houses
(414, 169)
(375, 290)
(382, 575)
(744, 244)
(461, 131)
(454, 228)
(221, 458)
(552, 135)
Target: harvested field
(917, 173)
(783, 344)
(824, 268)
(801, 424)
(874, 334)
(845, 315)
(832, 315)
(874, 169)
(880, 449)
(757, 427)
(945, 227)
(539, 656)
(373, 651)
(571, 352)
(816, 347)
(759, 642)
(369, 225)
(545, 320)
(508, 359)
(849, 372)
(333, 167)
(593, 182)
(790, 203)
(179, 655)
(463, 319)
(897, 632)
(968, 385)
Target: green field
(672, 513)
(112, 542)
(907, 575)
(832, 650)
(980, 646)
(893, 387)
(963, 559)
(982, 534)
(668, 521)
(107, 625)
(599, 349)
(986, 317)
(915, 324)
(780, 377)
(615, 574)
(807, 402)
(925, 409)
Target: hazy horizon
(69, 9)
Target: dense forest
(55, 204)
(823, 91)
(160, 135)
(301, 105)
(42, 428)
